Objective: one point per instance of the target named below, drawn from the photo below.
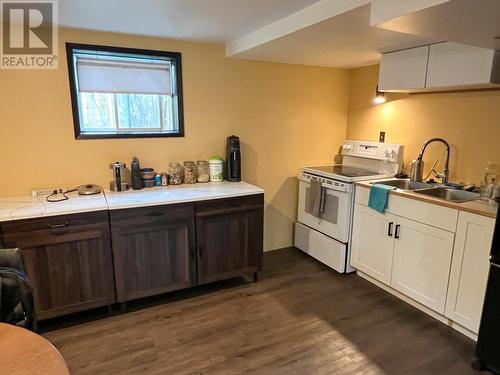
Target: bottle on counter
(189, 172)
(158, 179)
(216, 165)
(136, 177)
(175, 174)
(203, 171)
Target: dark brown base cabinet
(68, 260)
(78, 262)
(229, 236)
(153, 250)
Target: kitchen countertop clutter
(25, 207)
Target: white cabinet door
(469, 270)
(373, 242)
(454, 65)
(422, 260)
(403, 70)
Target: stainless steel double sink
(431, 190)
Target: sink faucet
(417, 166)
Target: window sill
(128, 135)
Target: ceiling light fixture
(379, 97)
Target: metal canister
(158, 179)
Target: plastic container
(203, 171)
(216, 166)
(189, 172)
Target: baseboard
(435, 315)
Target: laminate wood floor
(301, 318)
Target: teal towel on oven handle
(379, 197)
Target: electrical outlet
(44, 192)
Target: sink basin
(406, 184)
(450, 195)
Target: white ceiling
(346, 40)
(333, 33)
(217, 21)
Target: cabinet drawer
(413, 209)
(222, 206)
(29, 225)
(153, 214)
(54, 230)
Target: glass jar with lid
(175, 173)
(203, 171)
(189, 172)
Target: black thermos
(136, 174)
(233, 159)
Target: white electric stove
(326, 235)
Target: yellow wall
(470, 121)
(285, 115)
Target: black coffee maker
(233, 159)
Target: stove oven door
(336, 215)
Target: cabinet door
(469, 270)
(153, 250)
(403, 70)
(422, 260)
(373, 242)
(230, 238)
(454, 64)
(68, 261)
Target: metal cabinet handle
(59, 225)
(398, 228)
(59, 228)
(389, 230)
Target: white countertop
(179, 194)
(26, 207)
(476, 206)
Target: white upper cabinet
(422, 258)
(441, 66)
(403, 70)
(469, 270)
(454, 65)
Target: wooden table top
(23, 352)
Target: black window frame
(176, 57)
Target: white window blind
(100, 75)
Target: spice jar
(189, 172)
(203, 171)
(164, 179)
(175, 172)
(216, 169)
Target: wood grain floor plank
(301, 318)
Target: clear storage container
(175, 174)
(189, 172)
(203, 171)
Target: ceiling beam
(313, 14)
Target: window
(125, 93)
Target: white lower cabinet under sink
(433, 257)
(372, 247)
(421, 263)
(411, 257)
